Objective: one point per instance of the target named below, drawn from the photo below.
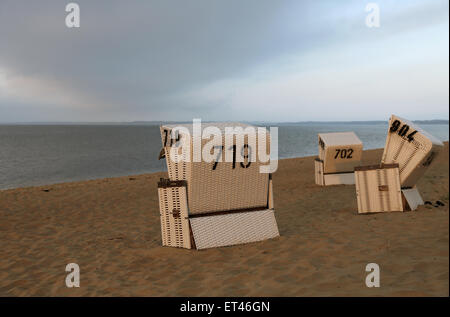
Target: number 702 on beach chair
(339, 153)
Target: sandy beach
(111, 228)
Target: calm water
(47, 154)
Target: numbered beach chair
(413, 149)
(339, 154)
(228, 200)
(408, 152)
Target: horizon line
(184, 121)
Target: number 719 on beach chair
(219, 203)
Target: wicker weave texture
(339, 179)
(318, 172)
(414, 156)
(270, 203)
(236, 228)
(175, 231)
(176, 170)
(340, 152)
(378, 190)
(330, 179)
(221, 186)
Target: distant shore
(433, 121)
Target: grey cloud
(134, 56)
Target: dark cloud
(131, 59)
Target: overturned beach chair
(391, 186)
(413, 149)
(218, 203)
(339, 153)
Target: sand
(111, 228)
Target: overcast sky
(254, 60)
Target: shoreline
(123, 176)
(143, 174)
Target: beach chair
(221, 202)
(409, 148)
(339, 154)
(413, 149)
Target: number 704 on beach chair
(391, 186)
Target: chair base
(411, 199)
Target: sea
(43, 154)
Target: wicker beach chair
(220, 202)
(339, 154)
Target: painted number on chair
(402, 130)
(246, 152)
(167, 139)
(343, 154)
